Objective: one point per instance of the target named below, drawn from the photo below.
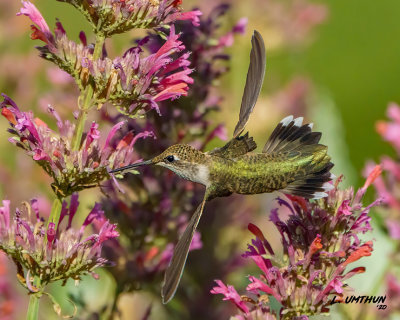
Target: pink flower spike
(337, 285)
(240, 26)
(171, 43)
(345, 208)
(393, 112)
(172, 92)
(393, 228)
(112, 132)
(256, 284)
(5, 213)
(28, 9)
(191, 15)
(375, 173)
(92, 135)
(230, 294)
(108, 231)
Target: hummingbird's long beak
(131, 166)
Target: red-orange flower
(364, 251)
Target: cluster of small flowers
(132, 83)
(320, 238)
(54, 251)
(387, 186)
(71, 170)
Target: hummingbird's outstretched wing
(240, 145)
(236, 147)
(174, 271)
(254, 81)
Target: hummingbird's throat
(193, 172)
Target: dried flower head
(109, 17)
(319, 239)
(71, 170)
(56, 251)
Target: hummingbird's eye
(170, 158)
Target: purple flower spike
(65, 255)
(315, 256)
(71, 170)
(133, 83)
(95, 214)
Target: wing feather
(174, 271)
(254, 81)
(236, 147)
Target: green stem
(76, 139)
(86, 98)
(54, 215)
(33, 308)
(55, 212)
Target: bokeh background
(340, 72)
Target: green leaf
(275, 306)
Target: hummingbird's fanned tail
(313, 185)
(174, 271)
(300, 148)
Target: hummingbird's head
(186, 161)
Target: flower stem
(33, 308)
(55, 212)
(86, 98)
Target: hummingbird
(292, 161)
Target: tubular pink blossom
(112, 132)
(28, 9)
(172, 92)
(230, 294)
(257, 284)
(191, 15)
(53, 151)
(5, 213)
